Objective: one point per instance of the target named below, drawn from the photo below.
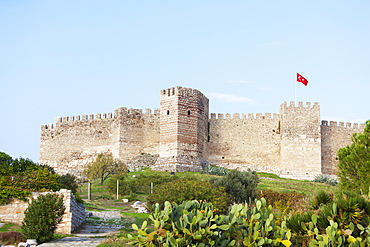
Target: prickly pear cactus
(195, 223)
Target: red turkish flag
(302, 79)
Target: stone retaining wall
(73, 217)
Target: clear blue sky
(63, 58)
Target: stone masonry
(293, 143)
(74, 214)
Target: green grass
(284, 185)
(135, 215)
(7, 227)
(267, 175)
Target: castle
(181, 136)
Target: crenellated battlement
(292, 104)
(249, 116)
(181, 91)
(123, 111)
(342, 124)
(133, 113)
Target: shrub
(284, 203)
(69, 181)
(215, 170)
(42, 216)
(20, 177)
(291, 200)
(189, 189)
(11, 237)
(336, 219)
(241, 186)
(347, 208)
(322, 198)
(322, 178)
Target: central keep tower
(183, 130)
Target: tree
(104, 166)
(42, 217)
(239, 185)
(5, 161)
(69, 181)
(354, 163)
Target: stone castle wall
(71, 142)
(251, 141)
(74, 214)
(334, 136)
(300, 140)
(292, 143)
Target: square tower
(300, 140)
(183, 130)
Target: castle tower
(183, 130)
(300, 140)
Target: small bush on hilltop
(215, 170)
(322, 178)
(241, 186)
(42, 216)
(186, 189)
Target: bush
(215, 170)
(69, 182)
(284, 203)
(322, 198)
(322, 178)
(241, 186)
(187, 189)
(347, 208)
(20, 177)
(42, 216)
(11, 237)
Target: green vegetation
(186, 189)
(323, 178)
(215, 170)
(241, 186)
(285, 185)
(7, 227)
(21, 176)
(354, 163)
(340, 220)
(140, 183)
(292, 201)
(104, 166)
(42, 216)
(194, 223)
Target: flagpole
(295, 93)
